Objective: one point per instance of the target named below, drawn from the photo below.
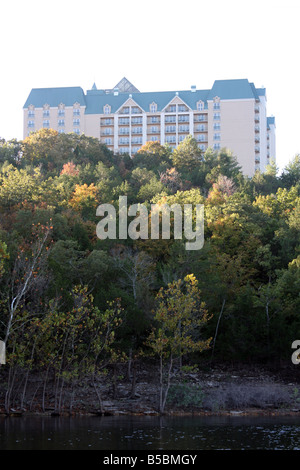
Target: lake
(150, 433)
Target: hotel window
(154, 129)
(30, 124)
(217, 116)
(46, 123)
(182, 108)
(108, 122)
(217, 126)
(126, 110)
(136, 120)
(46, 113)
(30, 113)
(108, 141)
(106, 109)
(76, 131)
(61, 112)
(170, 128)
(61, 131)
(172, 108)
(153, 108)
(217, 105)
(170, 138)
(217, 136)
(137, 130)
(107, 131)
(135, 110)
(76, 112)
(124, 121)
(217, 146)
(123, 130)
(76, 122)
(61, 122)
(153, 138)
(200, 106)
(170, 119)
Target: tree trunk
(217, 327)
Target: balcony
(201, 118)
(170, 129)
(124, 131)
(137, 130)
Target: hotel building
(232, 115)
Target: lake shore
(210, 391)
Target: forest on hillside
(72, 305)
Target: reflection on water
(149, 433)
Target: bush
(185, 395)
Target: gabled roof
(95, 99)
(96, 102)
(125, 86)
(54, 96)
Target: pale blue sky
(158, 45)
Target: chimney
(193, 88)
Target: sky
(157, 45)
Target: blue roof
(232, 90)
(94, 100)
(54, 96)
(270, 120)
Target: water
(150, 433)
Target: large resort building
(232, 115)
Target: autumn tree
(179, 316)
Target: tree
(179, 316)
(187, 156)
(291, 173)
(28, 274)
(3, 256)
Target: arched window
(153, 108)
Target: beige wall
(237, 130)
(53, 120)
(92, 125)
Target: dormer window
(153, 108)
(106, 109)
(216, 102)
(31, 111)
(61, 110)
(46, 110)
(200, 106)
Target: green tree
(179, 316)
